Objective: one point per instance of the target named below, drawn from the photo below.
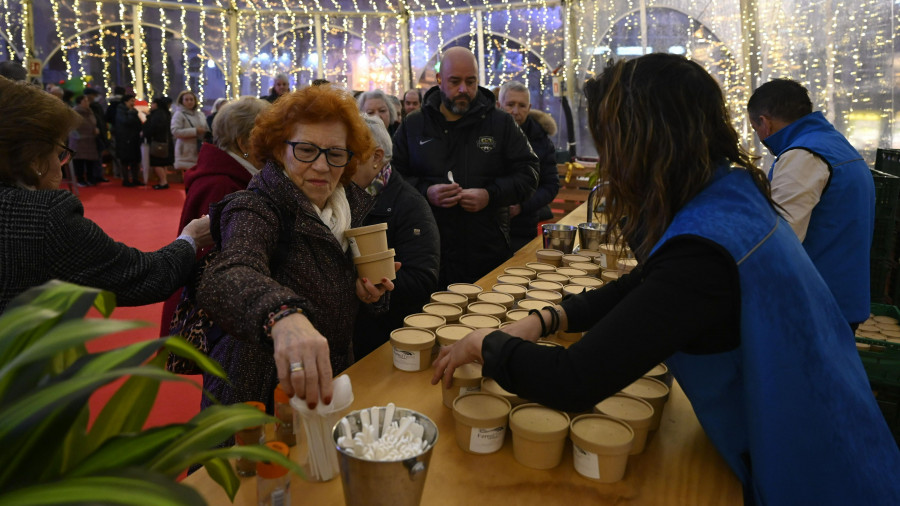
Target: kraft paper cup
(539, 435)
(589, 281)
(637, 413)
(451, 333)
(660, 372)
(513, 280)
(480, 321)
(543, 284)
(367, 240)
(520, 271)
(625, 265)
(556, 277)
(529, 304)
(488, 308)
(576, 289)
(377, 266)
(450, 312)
(514, 315)
(468, 289)
(609, 255)
(600, 447)
(653, 391)
(466, 380)
(412, 348)
(590, 268)
(550, 256)
(424, 321)
(609, 276)
(550, 297)
(568, 260)
(540, 267)
(457, 299)
(481, 421)
(504, 299)
(517, 291)
(572, 271)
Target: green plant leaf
(20, 326)
(210, 427)
(128, 450)
(128, 356)
(71, 300)
(179, 346)
(256, 453)
(131, 487)
(221, 472)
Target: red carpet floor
(146, 219)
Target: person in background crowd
(58, 92)
(112, 109)
(824, 187)
(156, 129)
(13, 71)
(83, 139)
(736, 308)
(377, 103)
(538, 127)
(411, 232)
(188, 127)
(98, 176)
(280, 86)
(471, 161)
(222, 168)
(412, 101)
(45, 235)
(212, 116)
(397, 106)
(128, 141)
(302, 304)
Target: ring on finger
(296, 367)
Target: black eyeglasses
(66, 154)
(309, 152)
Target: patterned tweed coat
(240, 288)
(44, 235)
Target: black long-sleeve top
(685, 298)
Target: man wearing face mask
(824, 188)
(471, 161)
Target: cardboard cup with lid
(489, 308)
(660, 372)
(576, 289)
(590, 268)
(504, 299)
(543, 284)
(636, 412)
(377, 266)
(549, 256)
(412, 348)
(480, 321)
(450, 312)
(470, 290)
(457, 299)
(529, 304)
(653, 391)
(514, 315)
(600, 447)
(490, 386)
(609, 276)
(556, 277)
(517, 291)
(540, 267)
(367, 240)
(625, 265)
(609, 255)
(539, 435)
(590, 281)
(548, 296)
(521, 271)
(568, 260)
(466, 379)
(424, 321)
(571, 271)
(481, 421)
(513, 280)
(451, 333)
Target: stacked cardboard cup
(371, 255)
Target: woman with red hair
(284, 278)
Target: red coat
(216, 174)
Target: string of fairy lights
(844, 55)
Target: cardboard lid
(549, 253)
(510, 289)
(515, 315)
(576, 289)
(424, 320)
(481, 409)
(513, 280)
(480, 321)
(452, 332)
(520, 271)
(634, 410)
(468, 289)
(486, 308)
(501, 298)
(532, 304)
(545, 295)
(540, 267)
(368, 229)
(538, 423)
(412, 338)
(586, 281)
(442, 309)
(557, 277)
(602, 434)
(543, 284)
(458, 299)
(647, 388)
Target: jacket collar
(484, 100)
(781, 140)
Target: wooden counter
(678, 467)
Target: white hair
(380, 135)
(513, 86)
(378, 94)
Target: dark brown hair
(310, 105)
(661, 128)
(33, 122)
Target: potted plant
(49, 453)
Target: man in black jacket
(538, 126)
(471, 161)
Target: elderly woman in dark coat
(43, 232)
(284, 278)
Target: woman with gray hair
(280, 85)
(377, 103)
(412, 233)
(222, 168)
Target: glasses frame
(66, 155)
(325, 151)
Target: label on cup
(586, 462)
(354, 248)
(602, 257)
(407, 360)
(465, 390)
(486, 440)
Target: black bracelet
(276, 316)
(554, 319)
(541, 318)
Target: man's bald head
(458, 79)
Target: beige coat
(187, 143)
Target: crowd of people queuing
(736, 287)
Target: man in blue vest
(824, 187)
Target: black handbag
(159, 149)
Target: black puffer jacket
(538, 127)
(413, 234)
(128, 134)
(484, 149)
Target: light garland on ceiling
(185, 64)
(54, 6)
(164, 56)
(201, 72)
